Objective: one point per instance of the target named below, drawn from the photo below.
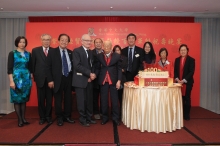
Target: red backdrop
(168, 35)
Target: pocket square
(80, 74)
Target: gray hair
(45, 34)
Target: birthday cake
(153, 77)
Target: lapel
(185, 64)
(102, 59)
(41, 51)
(113, 56)
(59, 56)
(135, 52)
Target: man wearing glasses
(59, 75)
(44, 93)
(83, 74)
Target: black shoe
(60, 122)
(26, 123)
(84, 124)
(69, 120)
(116, 122)
(49, 120)
(20, 125)
(91, 121)
(104, 122)
(42, 121)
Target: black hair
(184, 45)
(97, 39)
(17, 40)
(116, 46)
(152, 52)
(131, 34)
(163, 49)
(63, 34)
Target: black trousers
(104, 101)
(64, 94)
(45, 96)
(96, 93)
(84, 97)
(187, 101)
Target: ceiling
(25, 8)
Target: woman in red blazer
(163, 64)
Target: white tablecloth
(152, 109)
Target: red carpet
(75, 133)
(206, 129)
(203, 128)
(198, 112)
(10, 133)
(128, 136)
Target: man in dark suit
(109, 70)
(184, 68)
(59, 75)
(96, 89)
(44, 93)
(82, 80)
(135, 57)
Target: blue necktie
(130, 60)
(65, 65)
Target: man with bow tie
(59, 74)
(44, 93)
(83, 74)
(109, 70)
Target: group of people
(92, 74)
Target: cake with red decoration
(153, 77)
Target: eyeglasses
(88, 41)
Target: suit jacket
(137, 63)
(188, 70)
(95, 81)
(54, 67)
(114, 68)
(81, 67)
(39, 65)
(124, 66)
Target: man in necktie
(44, 93)
(108, 67)
(83, 74)
(59, 73)
(135, 57)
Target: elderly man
(82, 80)
(110, 73)
(44, 93)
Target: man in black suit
(109, 70)
(184, 68)
(44, 93)
(135, 57)
(96, 89)
(59, 75)
(82, 80)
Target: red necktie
(45, 51)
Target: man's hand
(92, 76)
(12, 85)
(51, 84)
(89, 80)
(118, 84)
